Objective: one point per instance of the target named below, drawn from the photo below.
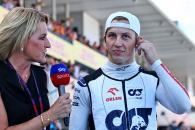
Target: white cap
(133, 24)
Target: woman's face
(36, 47)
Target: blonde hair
(17, 27)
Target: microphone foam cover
(59, 75)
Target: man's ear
(136, 41)
(105, 38)
(139, 39)
(106, 48)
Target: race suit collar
(120, 71)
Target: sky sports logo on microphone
(62, 69)
(59, 68)
(59, 74)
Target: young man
(121, 95)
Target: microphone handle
(66, 121)
(61, 91)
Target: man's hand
(148, 48)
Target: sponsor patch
(135, 93)
(75, 103)
(113, 91)
(82, 82)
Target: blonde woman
(23, 92)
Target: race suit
(123, 97)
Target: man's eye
(125, 36)
(112, 35)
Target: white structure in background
(91, 28)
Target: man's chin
(118, 61)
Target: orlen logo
(110, 99)
(135, 92)
(113, 91)
(62, 76)
(61, 69)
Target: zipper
(126, 108)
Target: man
(121, 95)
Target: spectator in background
(68, 34)
(193, 127)
(17, 3)
(76, 31)
(8, 4)
(38, 5)
(50, 24)
(69, 21)
(74, 35)
(58, 28)
(71, 67)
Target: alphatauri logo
(135, 92)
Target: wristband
(44, 119)
(42, 122)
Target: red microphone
(60, 77)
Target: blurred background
(76, 34)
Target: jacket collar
(120, 71)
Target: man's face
(120, 44)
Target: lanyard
(22, 83)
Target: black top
(16, 100)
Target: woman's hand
(61, 108)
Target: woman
(23, 91)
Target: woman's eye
(42, 38)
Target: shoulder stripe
(93, 75)
(175, 79)
(82, 82)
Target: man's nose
(118, 41)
